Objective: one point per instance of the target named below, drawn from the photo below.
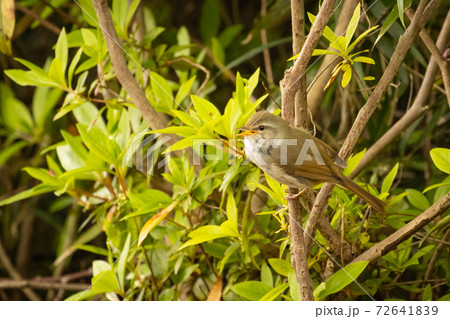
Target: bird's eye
(261, 127)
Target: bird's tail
(376, 203)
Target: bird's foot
(290, 196)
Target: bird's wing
(310, 171)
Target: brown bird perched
(295, 158)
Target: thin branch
(435, 256)
(6, 262)
(390, 243)
(266, 52)
(404, 44)
(437, 55)
(42, 285)
(45, 23)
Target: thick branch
(406, 231)
(299, 254)
(404, 44)
(417, 109)
(290, 84)
(293, 88)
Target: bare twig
(39, 284)
(437, 55)
(406, 231)
(6, 262)
(403, 46)
(45, 23)
(195, 65)
(266, 52)
(435, 256)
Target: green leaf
(61, 50)
(352, 25)
(401, 9)
(43, 175)
(435, 186)
(31, 78)
(294, 286)
(252, 290)
(121, 267)
(88, 115)
(227, 255)
(353, 161)
(203, 234)
(323, 52)
(73, 65)
(427, 293)
(88, 12)
(16, 115)
(162, 91)
(93, 249)
(364, 59)
(76, 145)
(217, 50)
(205, 109)
(184, 131)
(209, 20)
(94, 140)
(389, 179)
(56, 72)
(231, 207)
(227, 36)
(229, 228)
(154, 221)
(44, 101)
(105, 281)
(186, 118)
(274, 293)
(37, 190)
(184, 90)
(266, 275)
(347, 76)
(68, 159)
(281, 266)
(417, 199)
(441, 158)
(358, 39)
(342, 278)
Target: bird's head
(265, 125)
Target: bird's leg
(294, 196)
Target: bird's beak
(246, 131)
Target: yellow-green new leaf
(364, 59)
(154, 221)
(353, 24)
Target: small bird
(292, 156)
